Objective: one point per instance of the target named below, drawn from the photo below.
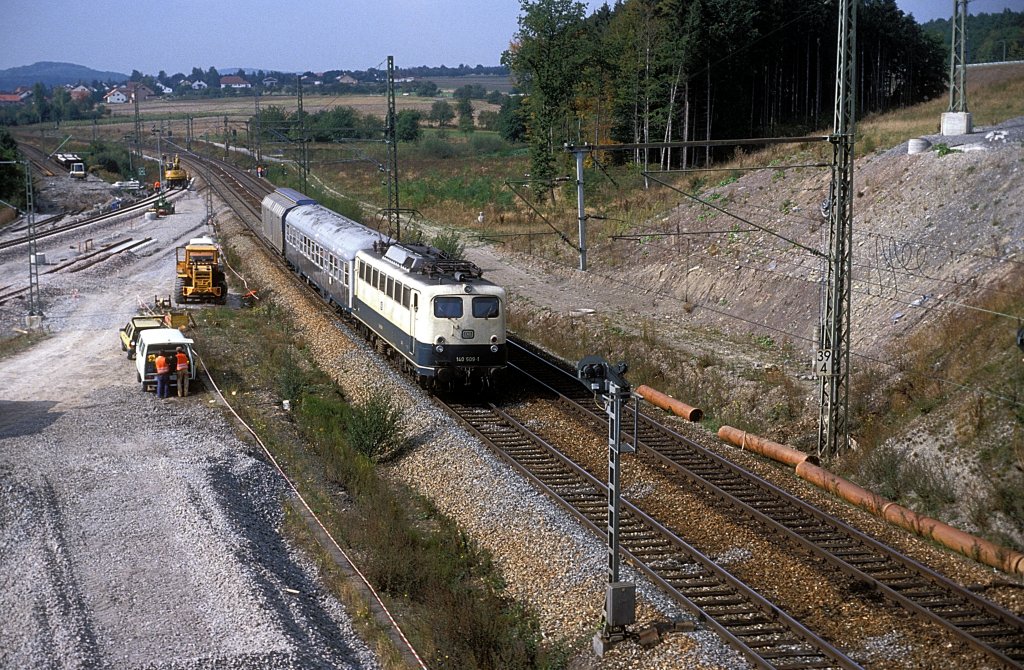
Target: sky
(314, 35)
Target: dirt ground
(134, 531)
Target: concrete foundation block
(957, 123)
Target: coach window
(447, 307)
(485, 307)
(374, 279)
(405, 297)
(391, 288)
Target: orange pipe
(760, 445)
(807, 468)
(661, 400)
(986, 552)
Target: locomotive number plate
(467, 359)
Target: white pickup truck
(154, 342)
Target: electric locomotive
(436, 315)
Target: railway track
(241, 191)
(141, 205)
(768, 637)
(755, 627)
(40, 161)
(921, 591)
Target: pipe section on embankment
(989, 553)
(659, 399)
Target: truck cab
(154, 342)
(130, 332)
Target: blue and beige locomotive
(434, 314)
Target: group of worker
(164, 364)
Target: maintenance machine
(175, 176)
(200, 270)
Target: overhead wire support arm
(581, 150)
(539, 213)
(748, 222)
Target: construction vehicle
(162, 207)
(175, 176)
(130, 333)
(200, 270)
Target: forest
(677, 70)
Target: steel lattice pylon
(958, 59)
(391, 162)
(834, 342)
(35, 307)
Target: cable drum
(918, 145)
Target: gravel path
(136, 532)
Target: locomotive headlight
(494, 348)
(494, 339)
(440, 339)
(439, 348)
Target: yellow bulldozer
(200, 270)
(175, 176)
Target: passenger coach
(437, 315)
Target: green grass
(446, 589)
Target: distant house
(347, 79)
(234, 81)
(10, 99)
(23, 92)
(140, 91)
(80, 93)
(116, 96)
(123, 94)
(199, 85)
(166, 90)
(269, 82)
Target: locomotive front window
(485, 307)
(447, 307)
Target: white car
(130, 185)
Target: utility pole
(160, 156)
(581, 216)
(138, 128)
(957, 120)
(832, 360)
(259, 133)
(303, 155)
(391, 157)
(35, 309)
(620, 597)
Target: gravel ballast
(137, 532)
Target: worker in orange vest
(181, 367)
(163, 375)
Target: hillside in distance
(52, 74)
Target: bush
(374, 427)
(483, 144)
(434, 147)
(450, 243)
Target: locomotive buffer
(620, 597)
